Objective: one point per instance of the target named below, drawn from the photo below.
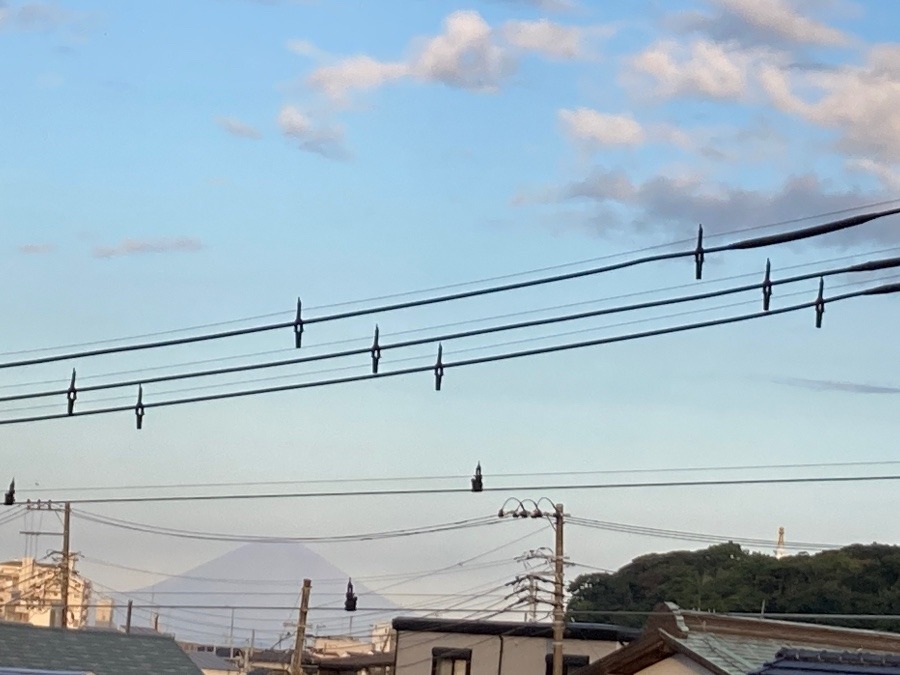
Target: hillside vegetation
(856, 579)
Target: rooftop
(23, 646)
(822, 662)
(733, 645)
(574, 631)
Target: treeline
(858, 579)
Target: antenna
(779, 547)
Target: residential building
(680, 642)
(94, 652)
(450, 647)
(31, 592)
(816, 662)
(211, 664)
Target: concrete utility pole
(529, 508)
(64, 584)
(558, 617)
(300, 638)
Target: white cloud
(545, 37)
(138, 246)
(590, 128)
(862, 103)
(781, 19)
(39, 16)
(702, 67)
(356, 73)
(324, 140)
(236, 127)
(467, 54)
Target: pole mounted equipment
(820, 303)
(71, 394)
(477, 479)
(298, 325)
(375, 351)
(699, 255)
(350, 599)
(10, 497)
(139, 408)
(767, 286)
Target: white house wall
(521, 655)
(676, 665)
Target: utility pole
(558, 618)
(300, 637)
(64, 585)
(530, 508)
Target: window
(449, 661)
(571, 664)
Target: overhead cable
(376, 350)
(699, 254)
(243, 496)
(440, 367)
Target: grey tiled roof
(738, 654)
(210, 661)
(98, 652)
(824, 662)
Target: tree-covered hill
(856, 579)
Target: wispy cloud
(140, 246)
(39, 16)
(325, 140)
(833, 385)
(36, 249)
(236, 127)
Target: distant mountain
(256, 575)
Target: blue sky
(175, 165)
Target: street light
(528, 508)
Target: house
(210, 664)
(680, 642)
(378, 663)
(98, 652)
(439, 646)
(813, 662)
(31, 592)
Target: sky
(175, 165)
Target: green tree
(857, 579)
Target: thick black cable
(869, 266)
(453, 324)
(485, 280)
(745, 244)
(879, 290)
(723, 482)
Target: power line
(690, 536)
(699, 254)
(440, 367)
(461, 476)
(504, 488)
(260, 539)
(452, 324)
(376, 350)
(433, 289)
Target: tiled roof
(210, 661)
(736, 645)
(98, 652)
(823, 662)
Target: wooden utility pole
(558, 618)
(64, 584)
(300, 637)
